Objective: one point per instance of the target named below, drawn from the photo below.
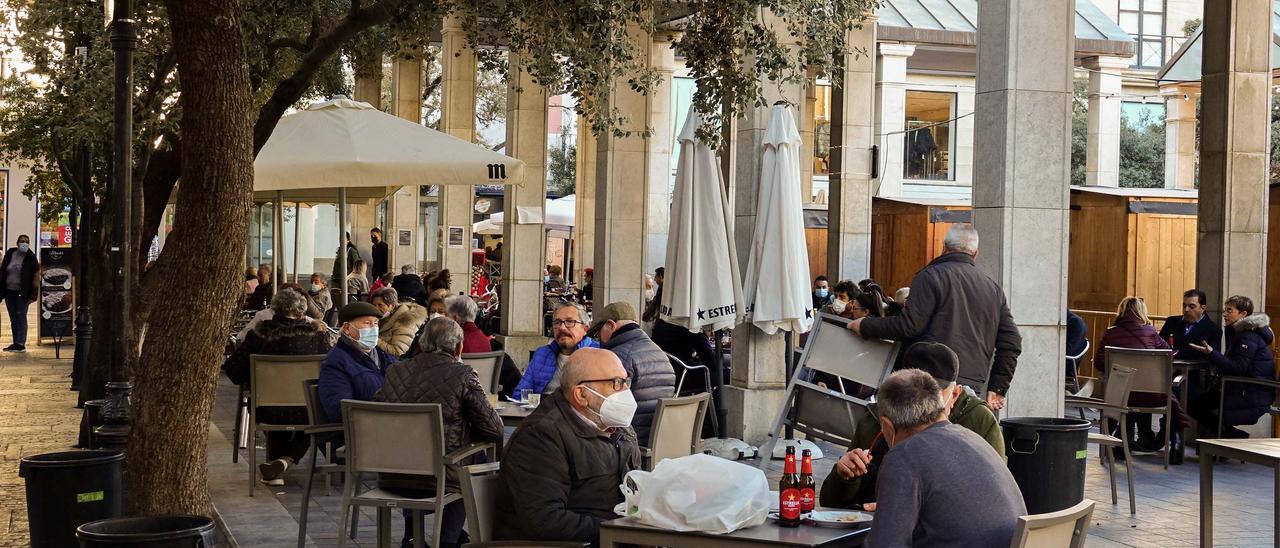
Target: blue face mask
(369, 337)
(24, 247)
(822, 292)
(546, 278)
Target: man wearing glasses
(569, 333)
(563, 465)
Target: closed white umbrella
(776, 291)
(701, 259)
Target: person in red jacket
(1132, 329)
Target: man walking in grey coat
(955, 303)
(652, 377)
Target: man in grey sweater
(940, 484)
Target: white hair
(962, 238)
(462, 307)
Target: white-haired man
(955, 303)
(940, 484)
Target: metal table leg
(1206, 496)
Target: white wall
(20, 213)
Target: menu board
(56, 292)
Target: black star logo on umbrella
(808, 313)
(702, 314)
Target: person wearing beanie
(964, 409)
(356, 367)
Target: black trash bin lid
(145, 528)
(67, 459)
(1055, 424)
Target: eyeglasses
(567, 323)
(619, 383)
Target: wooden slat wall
(816, 241)
(1272, 302)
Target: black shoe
(1176, 450)
(1118, 453)
(1145, 444)
(19, 348)
(11, 348)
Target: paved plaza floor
(38, 414)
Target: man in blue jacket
(355, 368)
(569, 333)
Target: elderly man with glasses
(563, 465)
(569, 333)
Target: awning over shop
(1185, 65)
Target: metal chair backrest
(315, 410)
(277, 380)
(488, 366)
(1119, 379)
(677, 426)
(395, 438)
(683, 370)
(829, 415)
(833, 349)
(1087, 346)
(1154, 368)
(1062, 529)
(479, 495)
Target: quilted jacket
(542, 368)
(437, 378)
(397, 329)
(652, 377)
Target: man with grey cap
(846, 488)
(652, 377)
(940, 484)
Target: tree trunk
(174, 382)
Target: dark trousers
(285, 444)
(455, 516)
(17, 307)
(1205, 410)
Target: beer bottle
(789, 492)
(807, 492)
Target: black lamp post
(114, 432)
(82, 236)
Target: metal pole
(791, 366)
(297, 226)
(717, 393)
(84, 314)
(277, 242)
(114, 433)
(342, 244)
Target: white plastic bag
(697, 493)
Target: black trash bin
(67, 489)
(149, 532)
(1047, 459)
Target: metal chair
(1113, 410)
(1222, 393)
(276, 381)
(684, 369)
(1073, 380)
(1062, 529)
(526, 544)
(488, 366)
(397, 438)
(677, 428)
(1154, 373)
(317, 426)
(479, 494)
(242, 416)
(819, 413)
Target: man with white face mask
(356, 367)
(563, 465)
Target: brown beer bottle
(807, 492)
(789, 492)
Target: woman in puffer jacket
(1248, 354)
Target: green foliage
(1190, 27)
(1079, 131)
(562, 160)
(1141, 145)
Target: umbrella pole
(717, 391)
(791, 366)
(277, 243)
(297, 229)
(342, 245)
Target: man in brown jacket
(437, 375)
(562, 468)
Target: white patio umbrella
(343, 151)
(776, 291)
(486, 226)
(700, 254)
(561, 212)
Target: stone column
(402, 208)
(1020, 202)
(852, 124)
(1180, 138)
(1232, 230)
(657, 218)
(622, 171)
(524, 244)
(457, 118)
(891, 114)
(758, 378)
(1102, 167)
(584, 231)
(367, 66)
(805, 124)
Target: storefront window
(928, 144)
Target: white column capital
(1107, 64)
(890, 49)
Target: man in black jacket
(20, 289)
(652, 377)
(955, 303)
(563, 465)
(378, 253)
(1193, 326)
